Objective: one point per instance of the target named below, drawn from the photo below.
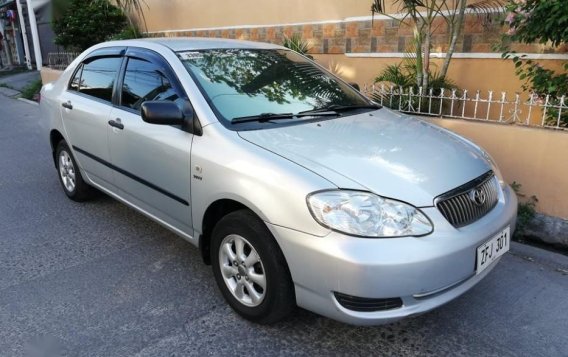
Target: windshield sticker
(193, 55)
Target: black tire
(80, 191)
(279, 298)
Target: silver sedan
(297, 189)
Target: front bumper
(424, 272)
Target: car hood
(391, 154)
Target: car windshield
(248, 84)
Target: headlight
(366, 214)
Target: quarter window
(145, 81)
(74, 85)
(98, 77)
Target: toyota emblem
(478, 196)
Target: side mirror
(162, 113)
(355, 85)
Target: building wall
(49, 75)
(13, 47)
(471, 73)
(182, 14)
(532, 157)
(342, 33)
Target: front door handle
(116, 124)
(67, 105)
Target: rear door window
(98, 77)
(143, 81)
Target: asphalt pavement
(99, 279)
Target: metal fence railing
(532, 110)
(60, 60)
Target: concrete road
(98, 279)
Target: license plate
(489, 251)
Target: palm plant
(420, 16)
(298, 44)
(133, 7)
(404, 94)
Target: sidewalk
(12, 85)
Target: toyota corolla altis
(297, 189)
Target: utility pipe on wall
(24, 35)
(35, 35)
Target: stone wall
(368, 36)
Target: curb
(555, 261)
(548, 229)
(28, 101)
(9, 92)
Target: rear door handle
(67, 105)
(116, 124)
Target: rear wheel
(70, 176)
(250, 269)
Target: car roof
(179, 44)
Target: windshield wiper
(340, 108)
(262, 117)
(279, 116)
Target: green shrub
(128, 33)
(526, 210)
(31, 90)
(544, 22)
(84, 23)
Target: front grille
(355, 303)
(464, 205)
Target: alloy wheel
(242, 270)
(67, 171)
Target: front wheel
(250, 269)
